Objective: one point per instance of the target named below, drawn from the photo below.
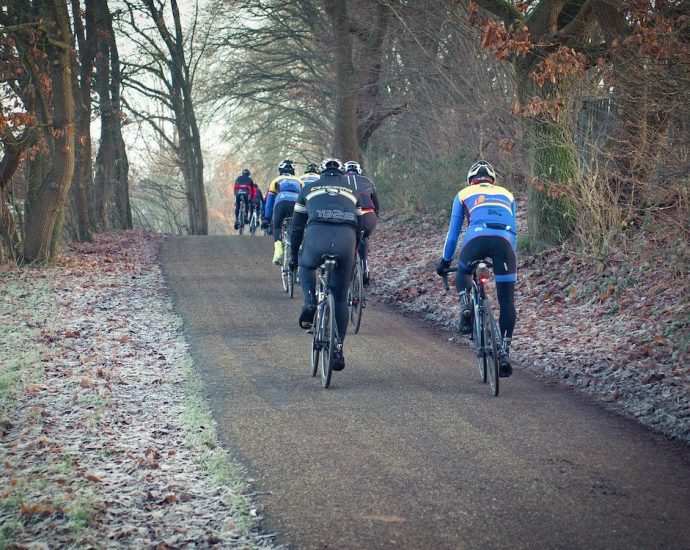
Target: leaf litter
(94, 449)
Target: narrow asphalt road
(408, 449)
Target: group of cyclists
(334, 210)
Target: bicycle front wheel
(490, 338)
(316, 339)
(479, 342)
(328, 342)
(356, 297)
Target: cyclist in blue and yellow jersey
(280, 201)
(326, 221)
(491, 232)
(311, 174)
(369, 203)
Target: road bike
(485, 332)
(287, 276)
(355, 298)
(242, 214)
(324, 330)
(253, 222)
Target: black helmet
(353, 166)
(286, 167)
(311, 169)
(481, 171)
(332, 164)
(245, 172)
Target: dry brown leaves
(94, 454)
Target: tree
(165, 75)
(41, 40)
(112, 205)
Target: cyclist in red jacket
(243, 188)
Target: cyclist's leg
(309, 259)
(237, 208)
(471, 250)
(505, 272)
(368, 221)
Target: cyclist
(491, 232)
(311, 173)
(280, 200)
(243, 188)
(369, 203)
(256, 203)
(329, 210)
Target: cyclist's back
(280, 201)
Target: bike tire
(240, 218)
(490, 335)
(252, 225)
(479, 343)
(356, 297)
(317, 337)
(328, 342)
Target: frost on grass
(618, 330)
(98, 410)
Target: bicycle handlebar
(445, 276)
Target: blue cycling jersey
(489, 209)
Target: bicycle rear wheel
(479, 343)
(241, 218)
(252, 224)
(328, 342)
(356, 300)
(490, 338)
(290, 274)
(317, 337)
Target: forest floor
(104, 438)
(106, 441)
(616, 328)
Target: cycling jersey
(243, 185)
(283, 188)
(366, 192)
(489, 209)
(308, 178)
(330, 199)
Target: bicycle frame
(485, 332)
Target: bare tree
(165, 75)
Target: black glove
(292, 264)
(442, 266)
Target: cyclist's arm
(457, 216)
(270, 197)
(234, 192)
(299, 222)
(375, 199)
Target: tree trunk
(345, 142)
(48, 200)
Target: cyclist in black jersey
(369, 203)
(326, 221)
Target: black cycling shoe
(365, 278)
(338, 358)
(306, 318)
(505, 369)
(466, 320)
(237, 225)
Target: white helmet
(287, 166)
(481, 170)
(329, 164)
(353, 166)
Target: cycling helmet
(353, 166)
(332, 164)
(311, 169)
(245, 172)
(481, 171)
(287, 166)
